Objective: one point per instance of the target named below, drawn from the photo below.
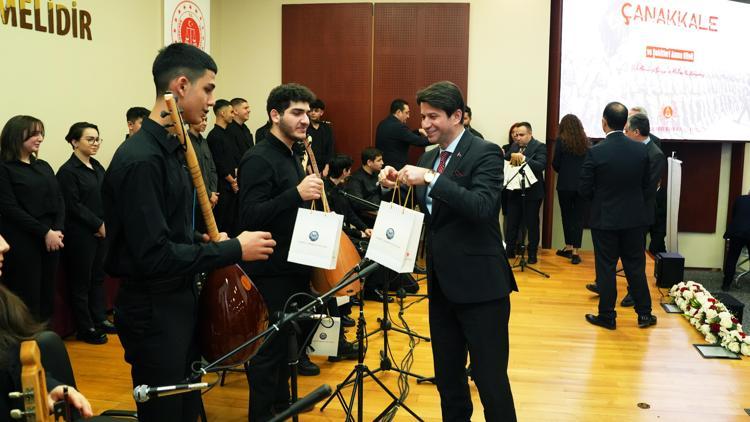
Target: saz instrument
(231, 308)
(34, 395)
(324, 280)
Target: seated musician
(364, 184)
(340, 168)
(17, 325)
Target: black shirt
(340, 205)
(365, 186)
(148, 203)
(568, 167)
(81, 188)
(206, 162)
(262, 132)
(269, 175)
(226, 154)
(322, 143)
(30, 198)
(10, 379)
(242, 136)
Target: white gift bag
(395, 237)
(315, 239)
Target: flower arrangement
(710, 317)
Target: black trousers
(29, 271)
(84, 267)
(481, 329)
(572, 208)
(517, 216)
(268, 372)
(629, 246)
(731, 257)
(157, 330)
(226, 210)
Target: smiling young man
(469, 279)
(273, 186)
(148, 203)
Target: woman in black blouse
(32, 214)
(570, 150)
(80, 181)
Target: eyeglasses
(93, 140)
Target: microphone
(143, 393)
(309, 400)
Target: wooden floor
(561, 368)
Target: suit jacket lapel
(455, 160)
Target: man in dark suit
(467, 123)
(615, 178)
(738, 234)
(393, 138)
(469, 279)
(525, 210)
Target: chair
(743, 266)
(56, 363)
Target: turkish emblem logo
(314, 236)
(390, 233)
(188, 24)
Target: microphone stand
(521, 259)
(357, 199)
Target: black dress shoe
(346, 351)
(645, 321)
(107, 327)
(307, 368)
(347, 321)
(410, 285)
(565, 253)
(596, 320)
(592, 287)
(575, 259)
(627, 301)
(532, 259)
(92, 336)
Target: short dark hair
(180, 59)
(467, 109)
(639, 122)
(398, 105)
(135, 113)
(616, 115)
(282, 97)
(76, 131)
(338, 164)
(444, 95)
(527, 125)
(370, 154)
(318, 103)
(237, 101)
(221, 103)
(15, 132)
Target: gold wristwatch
(429, 176)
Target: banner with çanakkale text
(188, 21)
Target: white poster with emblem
(188, 21)
(395, 237)
(316, 238)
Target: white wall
(63, 80)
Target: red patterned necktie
(443, 159)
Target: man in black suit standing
(526, 149)
(615, 178)
(469, 279)
(393, 137)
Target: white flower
(710, 338)
(687, 294)
(704, 329)
(734, 347)
(711, 314)
(745, 349)
(726, 322)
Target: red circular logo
(668, 112)
(188, 24)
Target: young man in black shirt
(364, 184)
(273, 186)
(147, 197)
(322, 136)
(237, 128)
(227, 157)
(208, 171)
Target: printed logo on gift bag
(390, 233)
(314, 236)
